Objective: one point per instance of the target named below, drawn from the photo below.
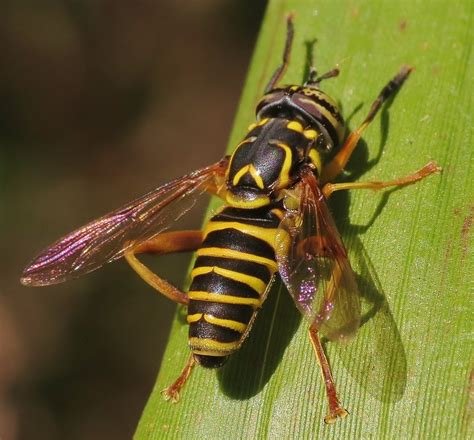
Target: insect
(275, 220)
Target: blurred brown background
(100, 101)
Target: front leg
(338, 163)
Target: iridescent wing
(107, 238)
(313, 264)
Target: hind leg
(168, 242)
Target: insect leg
(337, 164)
(178, 241)
(430, 168)
(279, 72)
(335, 409)
(172, 392)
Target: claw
(171, 394)
(334, 415)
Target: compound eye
(323, 144)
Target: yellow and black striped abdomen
(231, 276)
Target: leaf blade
(419, 242)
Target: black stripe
(262, 217)
(214, 283)
(235, 312)
(329, 107)
(243, 266)
(236, 163)
(238, 241)
(202, 329)
(330, 129)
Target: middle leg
(430, 168)
(335, 409)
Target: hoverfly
(275, 220)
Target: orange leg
(179, 241)
(337, 164)
(430, 168)
(335, 409)
(172, 392)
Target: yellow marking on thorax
(231, 253)
(285, 169)
(199, 295)
(315, 158)
(239, 174)
(255, 283)
(265, 234)
(246, 141)
(258, 124)
(295, 126)
(278, 212)
(252, 171)
(256, 176)
(241, 202)
(310, 134)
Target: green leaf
(407, 373)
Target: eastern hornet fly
(275, 220)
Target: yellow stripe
(194, 318)
(210, 347)
(199, 295)
(258, 124)
(214, 353)
(240, 202)
(256, 176)
(310, 91)
(310, 134)
(231, 253)
(252, 171)
(265, 234)
(333, 121)
(246, 141)
(239, 174)
(278, 212)
(286, 168)
(227, 323)
(255, 283)
(316, 159)
(295, 126)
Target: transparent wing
(313, 264)
(382, 367)
(107, 238)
